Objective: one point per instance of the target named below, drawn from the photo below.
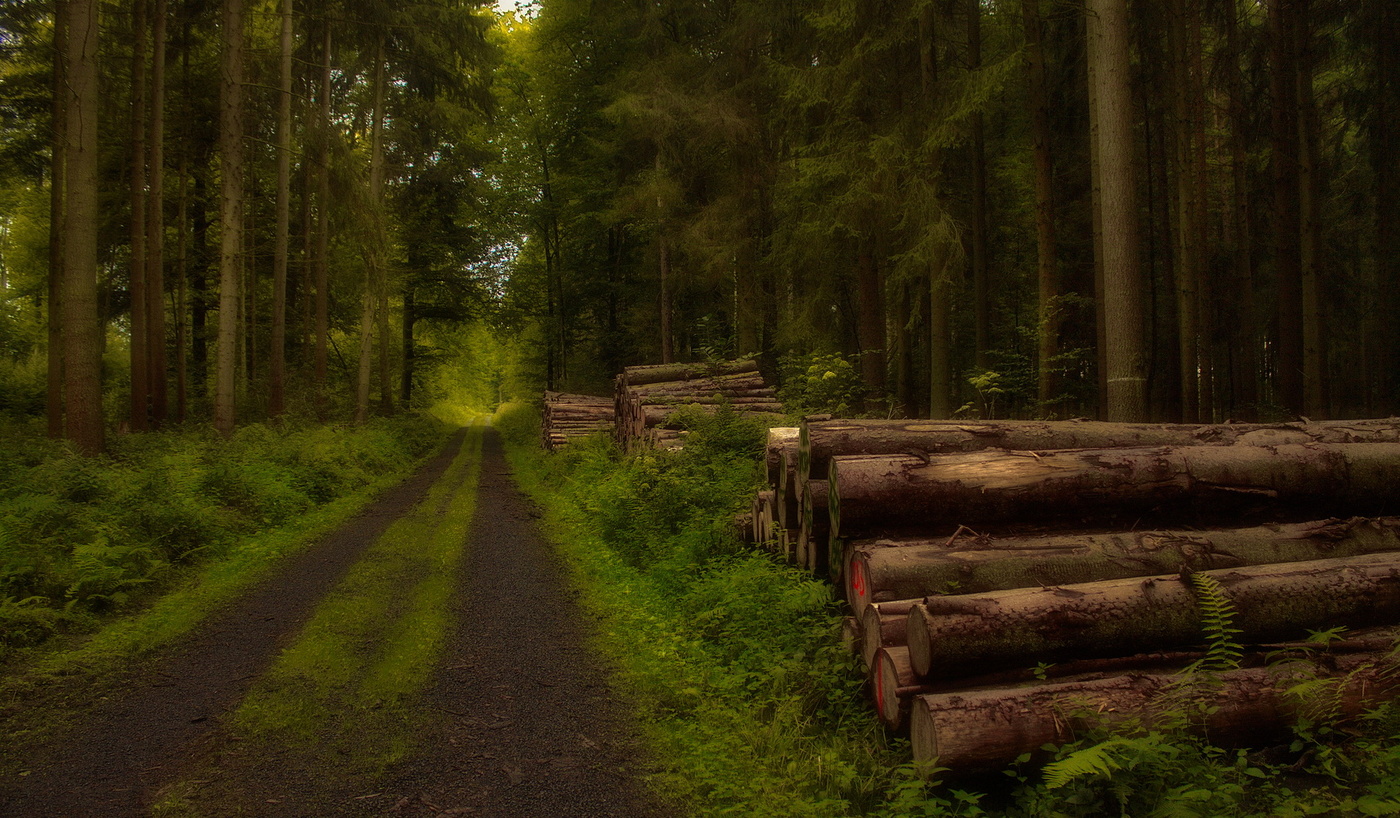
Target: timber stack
(568, 417)
(648, 399)
(1011, 583)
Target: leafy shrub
(820, 382)
(81, 536)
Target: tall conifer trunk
(57, 175)
(323, 229)
(1287, 228)
(230, 212)
(140, 371)
(1051, 317)
(277, 359)
(1126, 399)
(82, 326)
(156, 380)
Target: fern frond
(1217, 624)
(1102, 759)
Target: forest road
(514, 717)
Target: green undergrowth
(340, 702)
(752, 708)
(87, 541)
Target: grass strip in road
(338, 704)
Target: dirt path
(516, 719)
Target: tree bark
(871, 326)
(82, 326)
(819, 441)
(958, 636)
(985, 730)
(230, 211)
(883, 494)
(636, 376)
(1124, 361)
(1310, 220)
(884, 570)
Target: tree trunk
(1124, 358)
(57, 191)
(959, 636)
(230, 211)
(1047, 261)
(986, 730)
(878, 495)
(157, 381)
(139, 413)
(277, 362)
(819, 441)
(884, 570)
(665, 373)
(82, 326)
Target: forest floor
(428, 658)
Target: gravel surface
(523, 722)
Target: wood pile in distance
(568, 417)
(1004, 573)
(647, 398)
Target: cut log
(893, 684)
(657, 373)
(883, 625)
(885, 569)
(870, 495)
(812, 531)
(959, 636)
(788, 511)
(780, 439)
(819, 441)
(981, 731)
(850, 634)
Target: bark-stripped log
(819, 441)
(985, 730)
(958, 636)
(884, 569)
(870, 495)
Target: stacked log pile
(1013, 582)
(648, 398)
(568, 417)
